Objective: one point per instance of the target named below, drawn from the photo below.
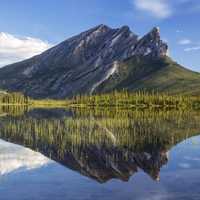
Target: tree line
(14, 98)
(137, 99)
(124, 98)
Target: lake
(99, 154)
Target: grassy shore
(122, 99)
(137, 100)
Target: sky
(30, 27)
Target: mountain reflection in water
(101, 144)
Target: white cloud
(163, 9)
(179, 31)
(184, 165)
(192, 158)
(184, 41)
(157, 8)
(14, 49)
(15, 158)
(197, 48)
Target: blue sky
(30, 26)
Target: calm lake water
(60, 154)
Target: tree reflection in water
(101, 144)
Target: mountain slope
(162, 75)
(99, 60)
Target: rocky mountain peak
(156, 30)
(94, 33)
(103, 28)
(152, 45)
(125, 29)
(154, 34)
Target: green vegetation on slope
(162, 75)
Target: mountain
(101, 59)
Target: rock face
(151, 45)
(80, 64)
(103, 164)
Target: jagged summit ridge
(152, 45)
(108, 41)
